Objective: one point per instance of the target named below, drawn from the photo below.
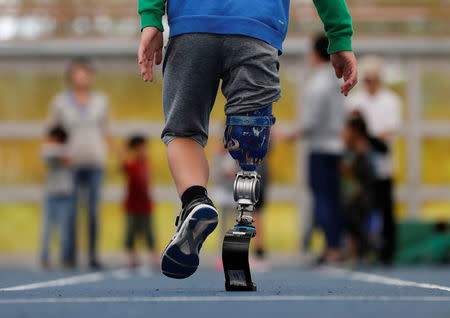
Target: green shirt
(333, 13)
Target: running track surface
(326, 292)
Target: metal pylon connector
(246, 191)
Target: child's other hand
(344, 63)
(150, 49)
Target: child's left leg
(193, 67)
(188, 164)
(131, 224)
(191, 79)
(147, 230)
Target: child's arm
(151, 12)
(53, 154)
(338, 26)
(150, 49)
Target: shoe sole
(180, 258)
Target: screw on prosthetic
(247, 139)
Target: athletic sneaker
(196, 221)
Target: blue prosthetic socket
(247, 137)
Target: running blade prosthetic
(235, 259)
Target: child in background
(58, 194)
(358, 178)
(224, 169)
(138, 203)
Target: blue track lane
(141, 294)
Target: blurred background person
(321, 126)
(260, 263)
(223, 172)
(138, 203)
(83, 112)
(224, 169)
(357, 185)
(381, 108)
(258, 215)
(58, 193)
(374, 218)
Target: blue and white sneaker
(196, 221)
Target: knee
(247, 137)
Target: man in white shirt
(381, 109)
(323, 119)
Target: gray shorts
(194, 64)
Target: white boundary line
(119, 274)
(122, 273)
(379, 279)
(332, 271)
(220, 299)
(79, 279)
(145, 272)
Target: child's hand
(149, 49)
(344, 63)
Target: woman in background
(83, 112)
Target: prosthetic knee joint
(247, 139)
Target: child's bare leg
(198, 217)
(154, 258)
(259, 238)
(133, 259)
(353, 247)
(188, 163)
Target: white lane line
(122, 273)
(221, 299)
(79, 279)
(145, 272)
(73, 280)
(379, 279)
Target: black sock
(192, 193)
